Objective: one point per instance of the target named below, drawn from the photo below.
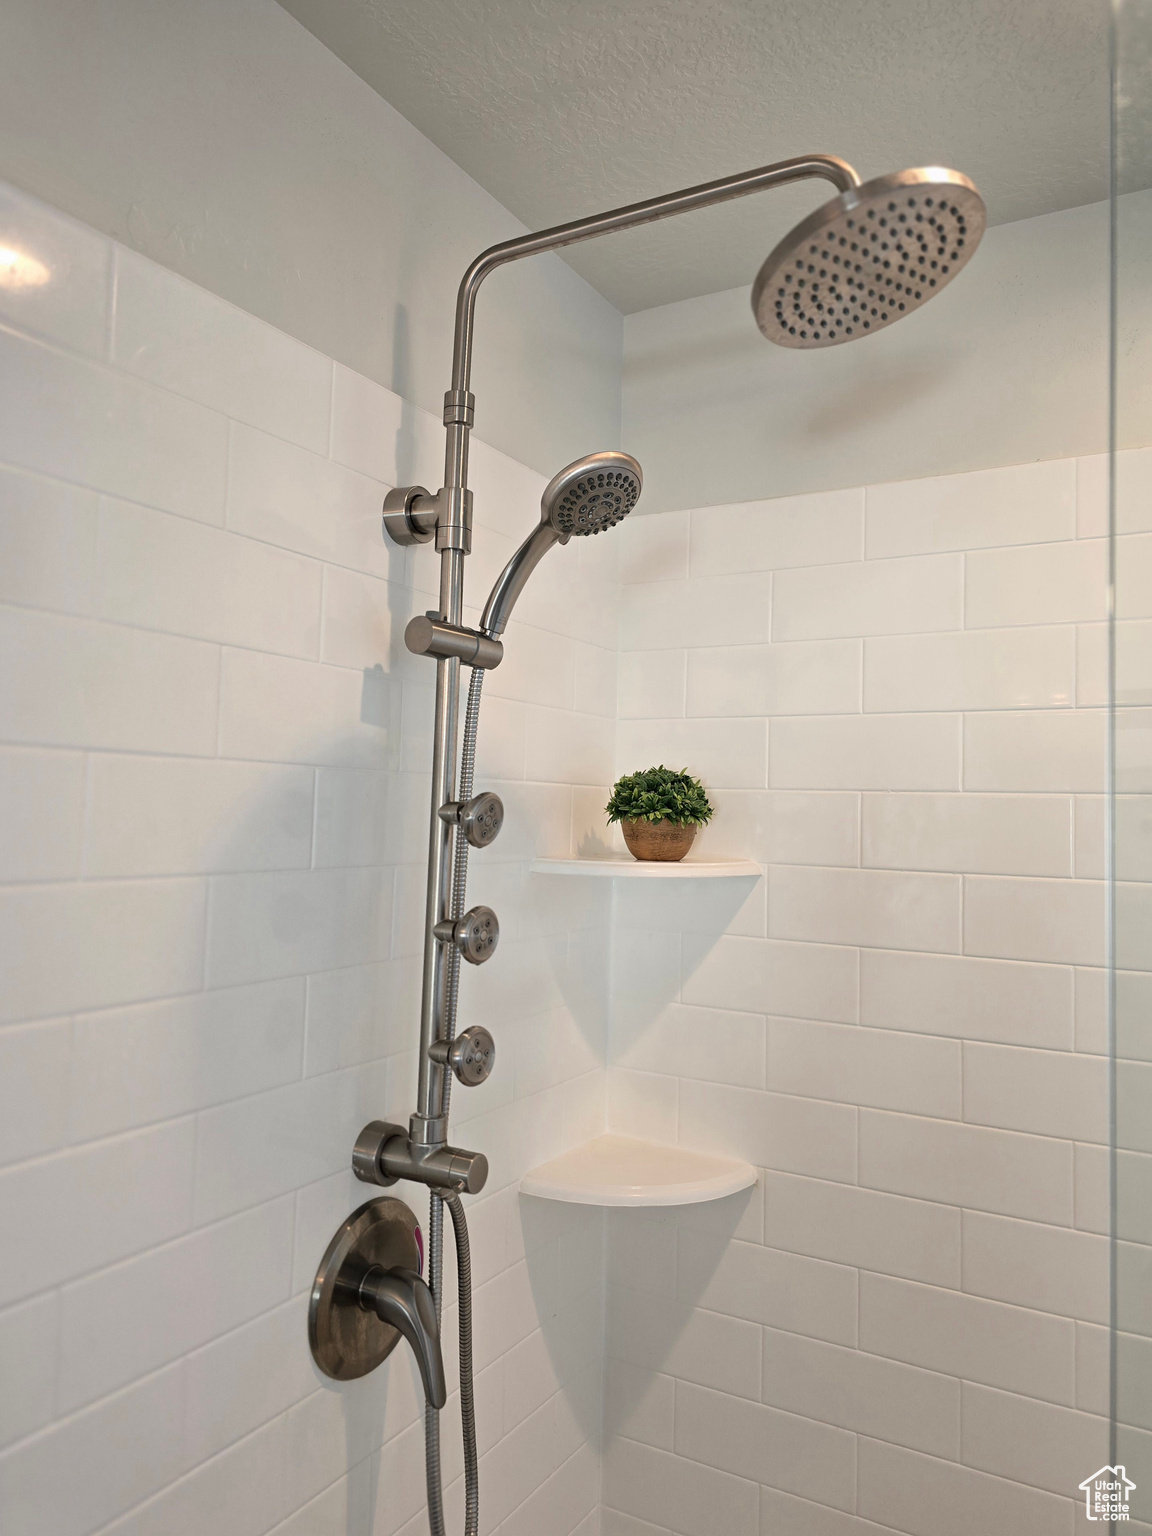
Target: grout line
(216, 754)
(964, 1044)
(86, 819)
(113, 299)
(331, 410)
(316, 823)
(964, 592)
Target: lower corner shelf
(625, 1171)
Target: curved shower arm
(839, 172)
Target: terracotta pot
(663, 840)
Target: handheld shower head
(868, 257)
(586, 497)
(592, 494)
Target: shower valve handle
(472, 1055)
(475, 935)
(400, 1298)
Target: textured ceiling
(564, 107)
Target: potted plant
(659, 812)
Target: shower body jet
(868, 257)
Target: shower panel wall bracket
(410, 514)
(413, 515)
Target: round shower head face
(868, 258)
(592, 494)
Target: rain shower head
(586, 497)
(868, 257)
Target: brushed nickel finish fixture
(584, 498)
(868, 257)
(936, 216)
(481, 817)
(429, 635)
(472, 1054)
(475, 935)
(368, 1294)
(410, 514)
(383, 1154)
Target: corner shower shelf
(621, 1170)
(637, 869)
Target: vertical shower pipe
(427, 1128)
(453, 540)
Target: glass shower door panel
(1128, 660)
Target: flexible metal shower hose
(438, 1200)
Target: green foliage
(658, 794)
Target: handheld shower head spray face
(868, 258)
(593, 494)
(586, 497)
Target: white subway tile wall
(214, 774)
(214, 768)
(907, 1040)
